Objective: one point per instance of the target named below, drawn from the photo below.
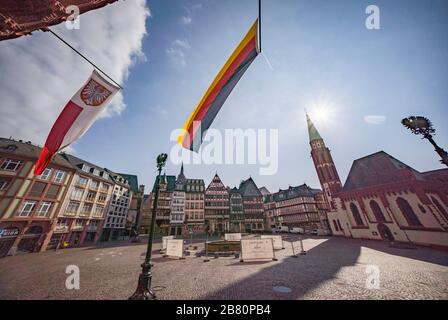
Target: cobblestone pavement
(333, 268)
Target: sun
(322, 112)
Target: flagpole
(259, 24)
(84, 57)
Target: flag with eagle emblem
(77, 117)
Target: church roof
(378, 169)
(312, 131)
(440, 175)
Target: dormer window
(85, 168)
(11, 147)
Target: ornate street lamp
(143, 291)
(423, 126)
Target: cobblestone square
(333, 268)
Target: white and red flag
(77, 117)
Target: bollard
(293, 252)
(302, 252)
(206, 250)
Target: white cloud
(177, 52)
(186, 19)
(375, 120)
(190, 10)
(160, 110)
(182, 44)
(39, 74)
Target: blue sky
(323, 58)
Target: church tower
(323, 162)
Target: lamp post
(423, 126)
(134, 229)
(143, 291)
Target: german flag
(206, 111)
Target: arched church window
(408, 212)
(379, 216)
(356, 214)
(439, 206)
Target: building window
(102, 197)
(62, 223)
(91, 196)
(10, 165)
(379, 216)
(72, 207)
(27, 208)
(356, 214)
(59, 177)
(45, 175)
(422, 209)
(77, 194)
(408, 212)
(37, 190)
(335, 225)
(94, 185)
(79, 223)
(93, 223)
(339, 224)
(440, 207)
(52, 192)
(82, 182)
(99, 211)
(104, 187)
(87, 209)
(44, 209)
(4, 183)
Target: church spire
(181, 177)
(324, 164)
(312, 131)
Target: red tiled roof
(378, 169)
